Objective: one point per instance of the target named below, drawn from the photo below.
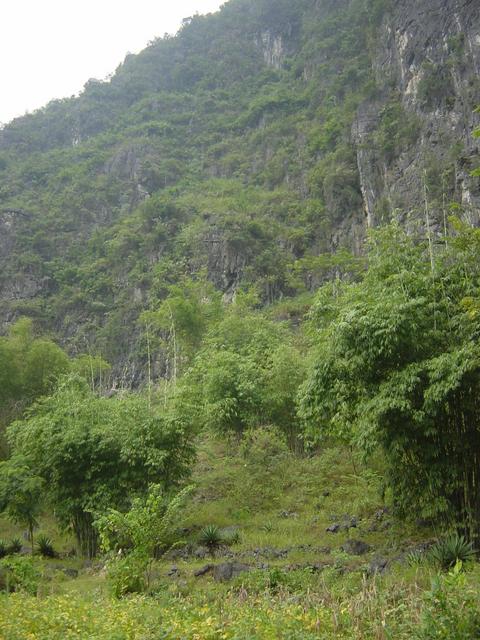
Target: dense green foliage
(185, 231)
(21, 493)
(29, 367)
(398, 367)
(95, 453)
(146, 531)
(196, 156)
(341, 601)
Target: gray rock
(377, 565)
(343, 523)
(208, 568)
(288, 514)
(333, 528)
(228, 570)
(356, 547)
(379, 515)
(70, 573)
(311, 567)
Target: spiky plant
(15, 545)
(415, 557)
(447, 552)
(211, 537)
(45, 546)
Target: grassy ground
(302, 584)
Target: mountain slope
(246, 149)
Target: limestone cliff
(427, 61)
(251, 147)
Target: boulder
(204, 570)
(228, 570)
(377, 566)
(356, 547)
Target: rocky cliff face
(250, 147)
(427, 67)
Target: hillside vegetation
(236, 401)
(227, 155)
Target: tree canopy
(397, 367)
(95, 453)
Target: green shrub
(451, 610)
(45, 546)
(126, 575)
(274, 581)
(20, 574)
(397, 129)
(447, 552)
(415, 558)
(436, 85)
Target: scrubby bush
(451, 610)
(274, 581)
(397, 369)
(119, 446)
(126, 575)
(20, 573)
(151, 529)
(232, 537)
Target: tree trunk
(87, 537)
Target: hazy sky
(50, 48)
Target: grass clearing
(302, 584)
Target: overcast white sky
(50, 48)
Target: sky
(50, 48)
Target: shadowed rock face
(14, 285)
(427, 61)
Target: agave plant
(15, 546)
(211, 537)
(447, 552)
(45, 546)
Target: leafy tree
(245, 375)
(397, 366)
(29, 368)
(93, 368)
(183, 318)
(21, 494)
(96, 453)
(30, 365)
(285, 372)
